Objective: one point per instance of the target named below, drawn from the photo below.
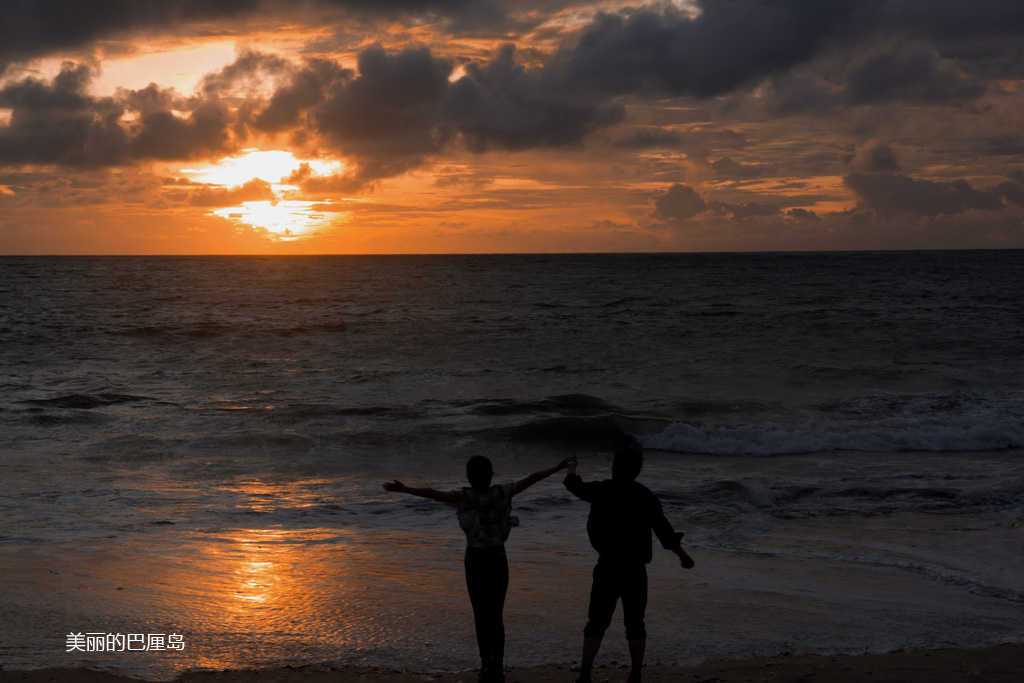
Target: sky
(484, 126)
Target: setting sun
(273, 166)
(287, 219)
(267, 172)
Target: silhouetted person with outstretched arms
(623, 513)
(485, 514)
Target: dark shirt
(622, 516)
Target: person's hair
(479, 472)
(627, 463)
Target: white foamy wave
(890, 435)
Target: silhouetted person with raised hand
(485, 514)
(623, 513)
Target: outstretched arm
(532, 479)
(433, 494)
(584, 490)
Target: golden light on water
(259, 572)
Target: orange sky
(340, 126)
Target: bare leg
(637, 647)
(590, 647)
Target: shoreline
(996, 664)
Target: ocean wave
(791, 500)
(888, 436)
(565, 429)
(565, 404)
(83, 401)
(955, 421)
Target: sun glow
(286, 217)
(273, 166)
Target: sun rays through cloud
(285, 216)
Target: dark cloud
(649, 137)
(306, 90)
(1013, 190)
(386, 118)
(501, 104)
(744, 209)
(947, 19)
(889, 194)
(252, 191)
(803, 215)
(403, 108)
(30, 28)
(167, 137)
(61, 123)
(914, 73)
(678, 203)
(33, 28)
(729, 44)
(874, 157)
(249, 72)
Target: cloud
(501, 104)
(678, 203)
(306, 90)
(61, 123)
(728, 44)
(252, 191)
(803, 215)
(386, 118)
(914, 73)
(889, 194)
(166, 136)
(248, 73)
(744, 209)
(728, 169)
(874, 156)
(33, 28)
(402, 109)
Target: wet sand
(999, 664)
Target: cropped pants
(612, 581)
(487, 581)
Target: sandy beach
(998, 664)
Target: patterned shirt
(486, 517)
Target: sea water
(194, 447)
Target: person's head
(627, 463)
(479, 472)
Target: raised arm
(532, 479)
(433, 494)
(583, 490)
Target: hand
(685, 560)
(571, 462)
(565, 463)
(394, 486)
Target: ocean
(193, 450)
